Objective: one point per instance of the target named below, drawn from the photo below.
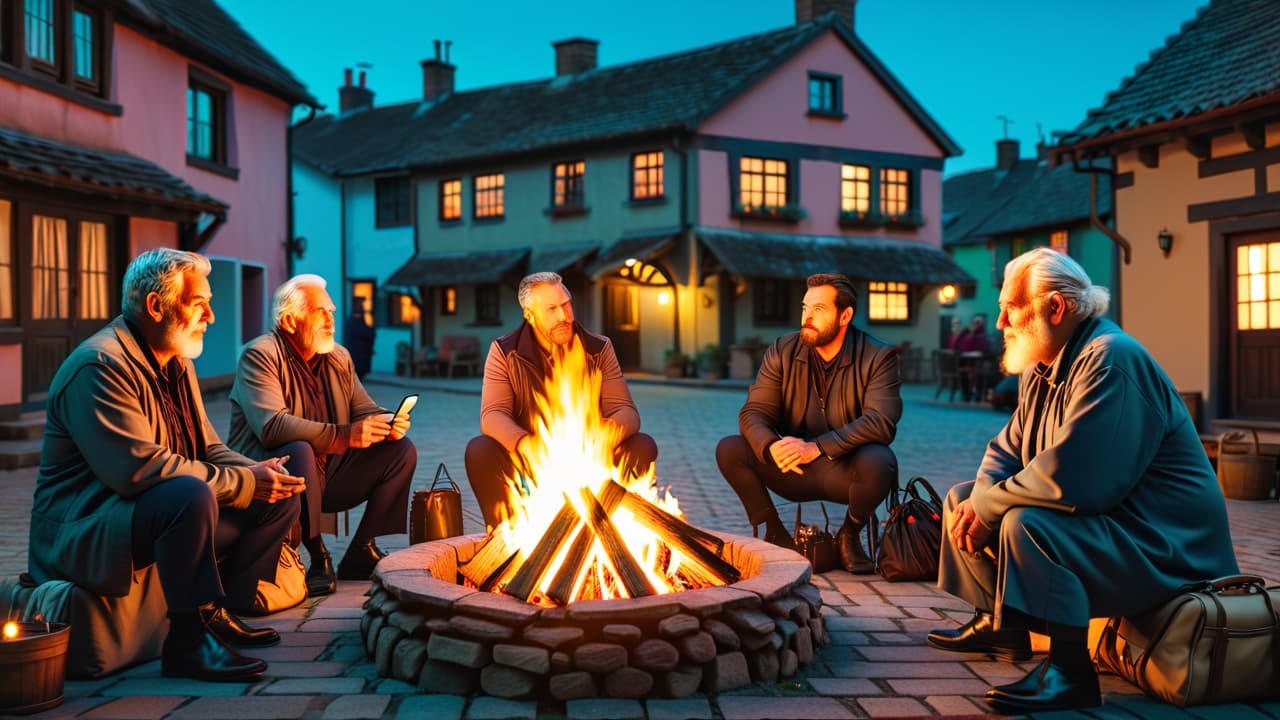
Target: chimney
(1006, 153)
(437, 74)
(353, 98)
(575, 55)
(807, 10)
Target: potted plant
(674, 363)
(711, 360)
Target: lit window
(403, 310)
(567, 186)
(824, 94)
(391, 196)
(888, 302)
(448, 301)
(646, 175)
(895, 192)
(1058, 241)
(855, 189)
(6, 260)
(450, 199)
(362, 297)
(1258, 286)
(762, 182)
(490, 195)
(94, 273)
(49, 269)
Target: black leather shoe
(980, 636)
(208, 658)
(232, 631)
(1045, 689)
(359, 561)
(852, 557)
(321, 579)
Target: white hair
(1048, 270)
(525, 292)
(289, 300)
(158, 271)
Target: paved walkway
(876, 666)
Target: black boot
(852, 556)
(192, 651)
(360, 560)
(776, 533)
(980, 636)
(232, 631)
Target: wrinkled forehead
(316, 297)
(549, 295)
(1014, 291)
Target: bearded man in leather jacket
(818, 421)
(515, 372)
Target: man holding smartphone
(296, 393)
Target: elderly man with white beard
(296, 393)
(1095, 500)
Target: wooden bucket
(1244, 476)
(33, 667)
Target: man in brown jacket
(516, 370)
(132, 473)
(296, 393)
(818, 421)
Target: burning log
(562, 583)
(683, 537)
(486, 567)
(624, 565)
(525, 581)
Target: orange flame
(10, 630)
(572, 447)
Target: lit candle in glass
(10, 630)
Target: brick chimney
(353, 98)
(437, 74)
(575, 55)
(807, 10)
(1006, 153)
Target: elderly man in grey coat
(1096, 500)
(132, 473)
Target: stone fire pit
(422, 626)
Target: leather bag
(286, 589)
(817, 545)
(1215, 642)
(912, 536)
(436, 514)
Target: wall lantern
(297, 246)
(947, 294)
(1165, 241)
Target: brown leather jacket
(513, 370)
(862, 404)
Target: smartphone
(406, 404)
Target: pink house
(126, 126)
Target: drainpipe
(1095, 221)
(288, 188)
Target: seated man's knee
(877, 464)
(481, 448)
(302, 458)
(190, 494)
(1023, 521)
(405, 451)
(640, 451)
(730, 450)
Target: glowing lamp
(664, 297)
(947, 294)
(10, 630)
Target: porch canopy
(783, 255)
(647, 247)
(558, 258)
(458, 268)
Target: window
(38, 18)
(824, 94)
(94, 273)
(448, 301)
(1258, 286)
(490, 195)
(567, 191)
(772, 304)
(362, 297)
(888, 302)
(646, 175)
(450, 200)
(487, 304)
(83, 41)
(895, 192)
(6, 260)
(1058, 241)
(762, 182)
(391, 196)
(855, 189)
(58, 42)
(207, 121)
(401, 309)
(50, 275)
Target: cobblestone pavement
(877, 664)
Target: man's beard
(187, 342)
(1024, 346)
(813, 337)
(560, 333)
(320, 342)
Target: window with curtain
(94, 278)
(888, 302)
(49, 268)
(451, 199)
(567, 190)
(855, 189)
(762, 182)
(646, 175)
(895, 192)
(490, 195)
(6, 260)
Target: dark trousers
(861, 479)
(178, 526)
(489, 467)
(379, 474)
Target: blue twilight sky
(1039, 62)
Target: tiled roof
(109, 174)
(673, 92)
(559, 257)
(782, 255)
(1226, 55)
(205, 25)
(458, 268)
(643, 246)
(981, 204)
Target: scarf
(311, 378)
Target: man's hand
(790, 453)
(272, 483)
(370, 430)
(399, 426)
(967, 531)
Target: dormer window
(824, 95)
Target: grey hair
(288, 298)
(1048, 271)
(158, 271)
(525, 293)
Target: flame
(10, 630)
(571, 448)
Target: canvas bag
(912, 537)
(286, 589)
(1214, 642)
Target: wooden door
(1255, 325)
(622, 323)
